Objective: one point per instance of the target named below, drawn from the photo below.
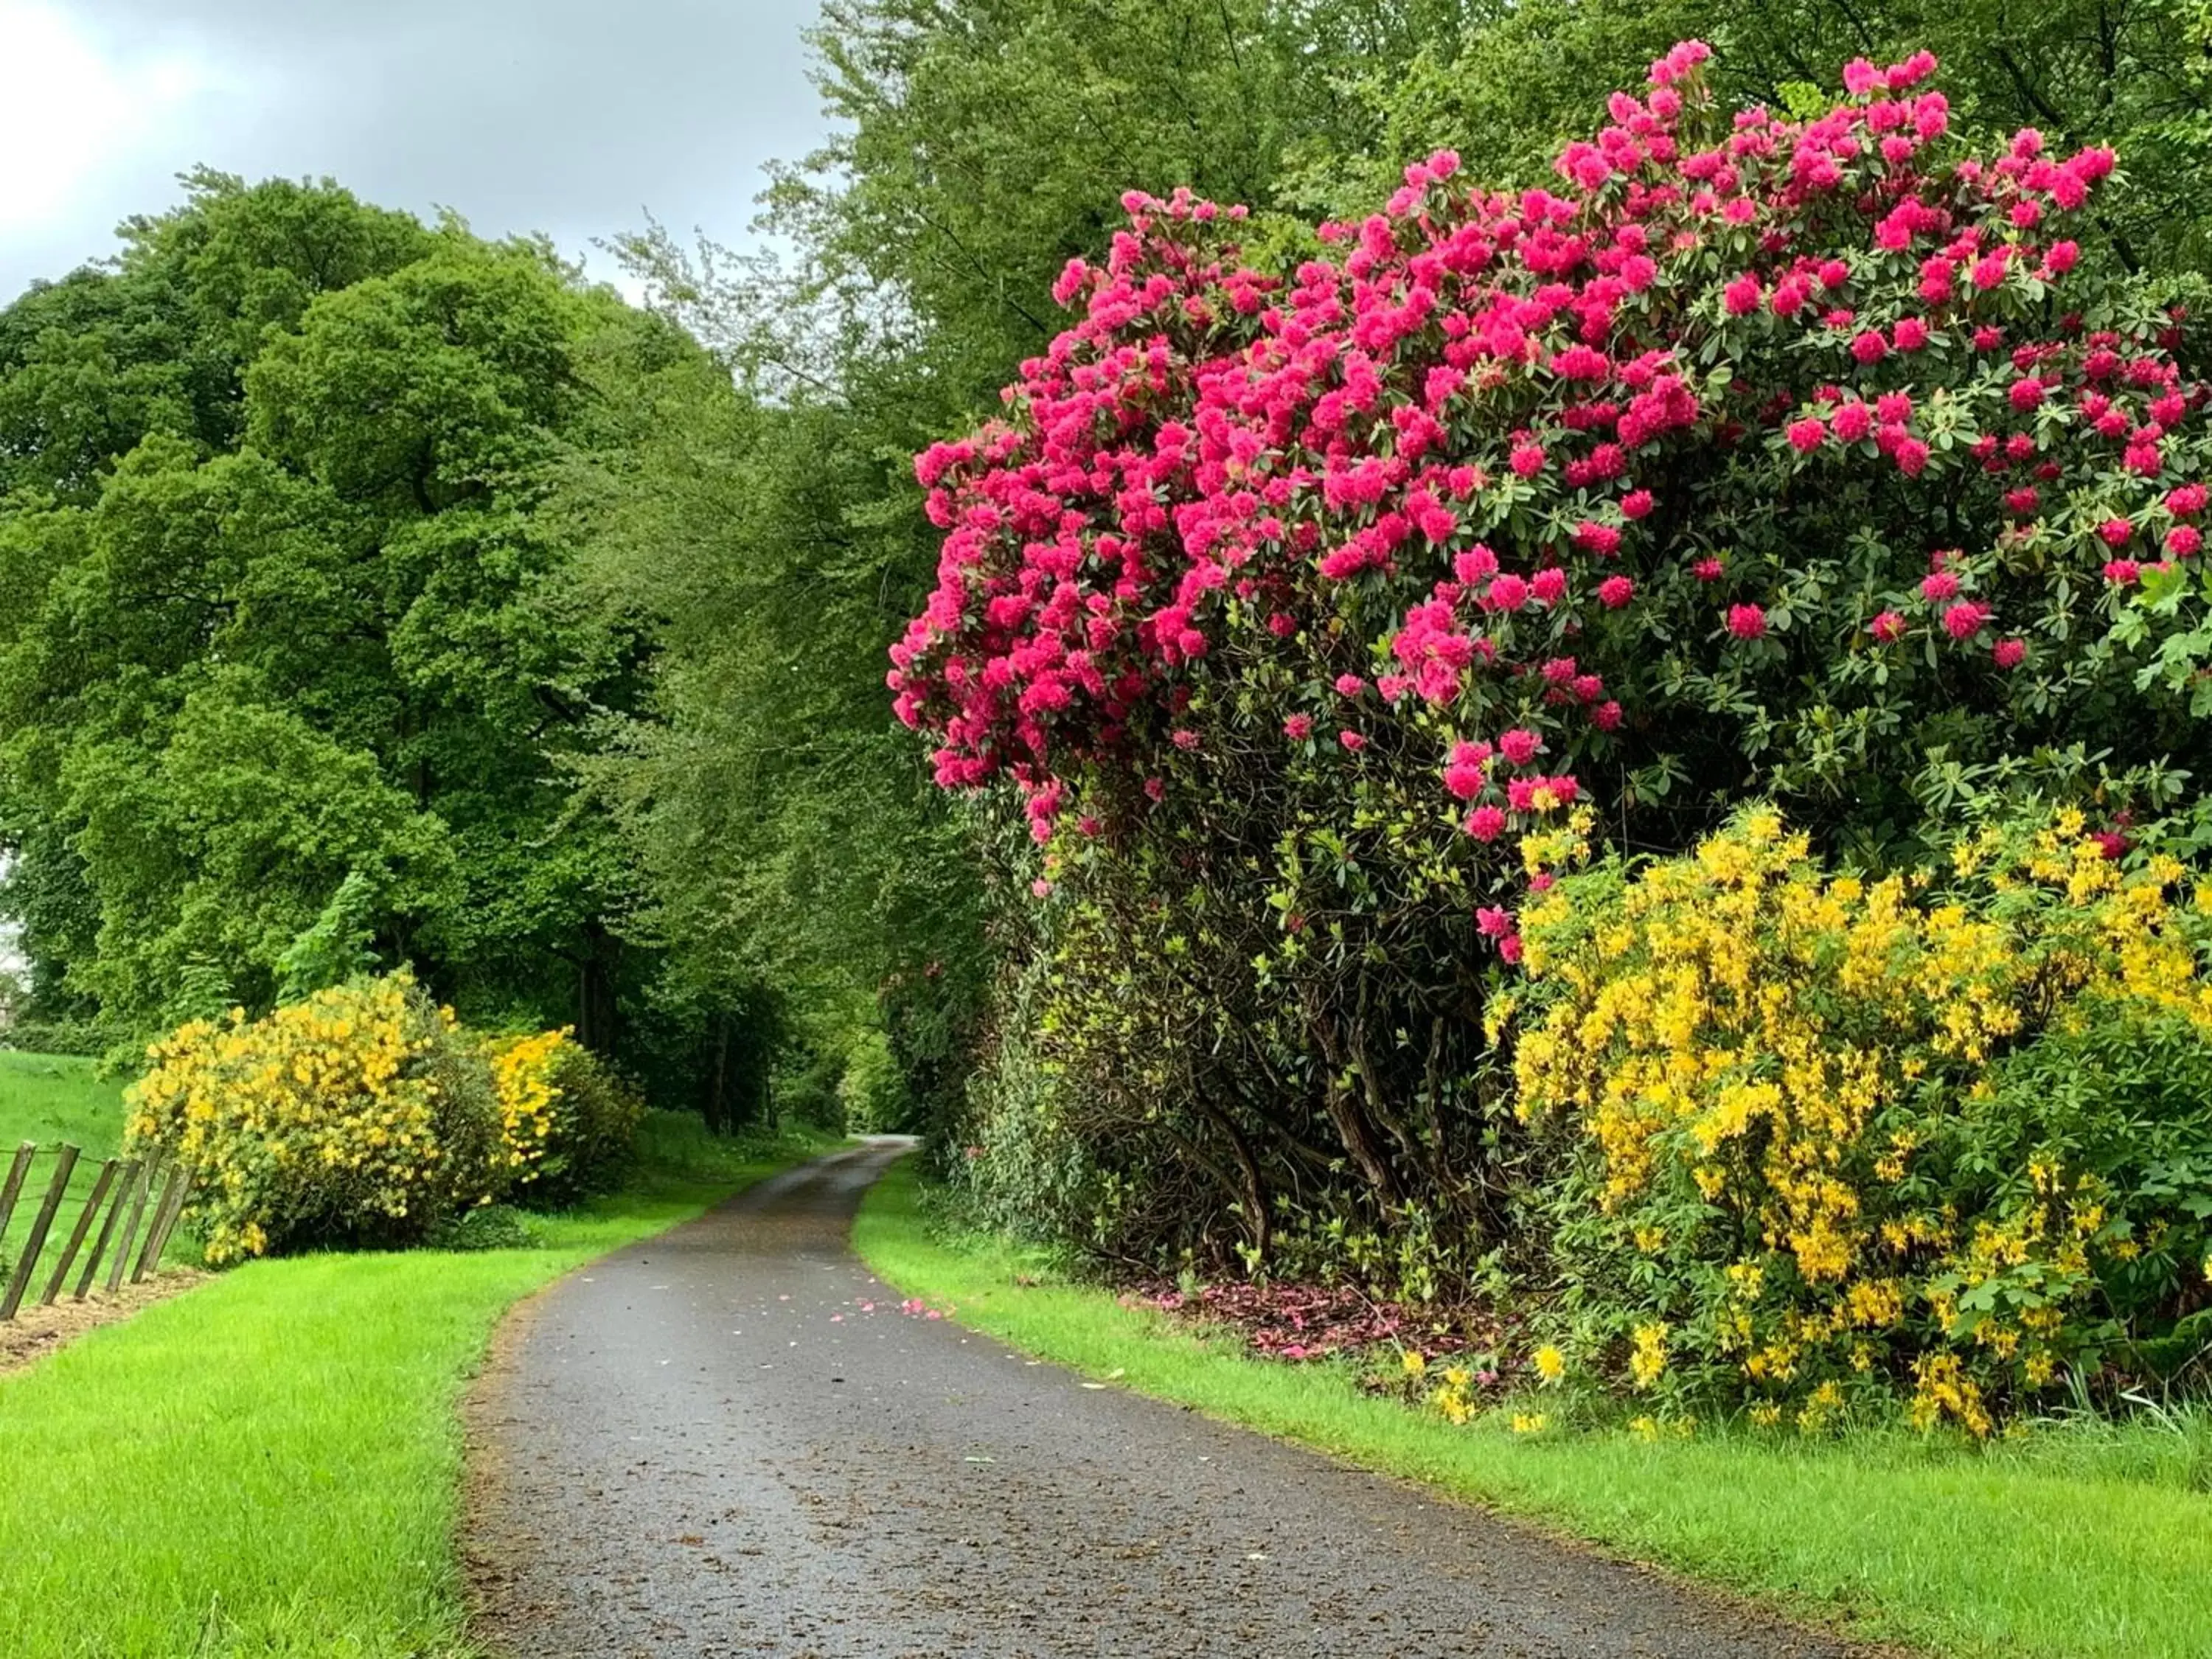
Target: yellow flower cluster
(1754, 1053)
(1454, 1394)
(522, 1075)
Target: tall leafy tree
(794, 865)
(770, 537)
(983, 144)
(289, 611)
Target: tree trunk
(595, 991)
(716, 1107)
(1362, 1144)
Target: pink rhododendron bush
(1314, 618)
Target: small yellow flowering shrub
(1946, 1134)
(566, 1121)
(362, 1116)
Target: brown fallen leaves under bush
(1310, 1322)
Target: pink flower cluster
(1473, 420)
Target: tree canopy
(289, 610)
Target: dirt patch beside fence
(36, 1332)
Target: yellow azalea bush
(368, 1116)
(566, 1121)
(1946, 1134)
(360, 1117)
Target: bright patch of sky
(11, 955)
(575, 118)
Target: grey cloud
(556, 115)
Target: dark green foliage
(804, 882)
(31, 1036)
(2127, 1103)
(984, 143)
(488, 1227)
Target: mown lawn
(271, 1465)
(2080, 1543)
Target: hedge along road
(731, 1440)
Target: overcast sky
(572, 117)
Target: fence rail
(36, 1185)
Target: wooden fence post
(20, 1280)
(106, 1229)
(144, 1185)
(157, 1224)
(14, 1184)
(168, 1222)
(100, 1187)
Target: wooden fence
(124, 1193)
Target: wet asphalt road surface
(709, 1446)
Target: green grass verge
(2089, 1544)
(272, 1464)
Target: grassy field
(269, 1465)
(50, 1099)
(2085, 1543)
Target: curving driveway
(729, 1440)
